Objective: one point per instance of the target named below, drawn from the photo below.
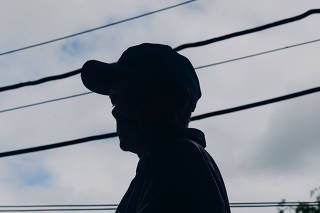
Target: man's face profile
(126, 112)
(144, 111)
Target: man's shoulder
(187, 148)
(177, 147)
(182, 154)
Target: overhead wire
(279, 203)
(249, 31)
(48, 208)
(94, 29)
(199, 67)
(193, 118)
(295, 203)
(40, 81)
(256, 104)
(55, 210)
(45, 102)
(57, 205)
(274, 204)
(58, 145)
(179, 48)
(259, 53)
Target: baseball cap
(143, 63)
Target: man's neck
(159, 137)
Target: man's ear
(159, 109)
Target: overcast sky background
(264, 154)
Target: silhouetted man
(154, 90)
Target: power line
(248, 31)
(199, 67)
(256, 104)
(94, 29)
(258, 54)
(263, 206)
(194, 118)
(45, 102)
(274, 204)
(57, 145)
(40, 81)
(55, 210)
(57, 205)
(279, 203)
(181, 47)
(296, 203)
(232, 205)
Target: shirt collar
(164, 138)
(195, 135)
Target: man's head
(152, 87)
(146, 115)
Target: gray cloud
(99, 171)
(291, 142)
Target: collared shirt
(177, 175)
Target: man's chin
(127, 148)
(124, 147)
(130, 143)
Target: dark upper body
(177, 176)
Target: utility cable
(55, 210)
(58, 145)
(40, 81)
(258, 54)
(279, 203)
(194, 118)
(274, 204)
(114, 205)
(263, 206)
(199, 67)
(58, 205)
(45, 102)
(232, 205)
(255, 104)
(181, 47)
(249, 31)
(75, 72)
(94, 29)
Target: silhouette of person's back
(154, 90)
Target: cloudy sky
(265, 154)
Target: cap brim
(99, 77)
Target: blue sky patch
(26, 177)
(73, 47)
(38, 177)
